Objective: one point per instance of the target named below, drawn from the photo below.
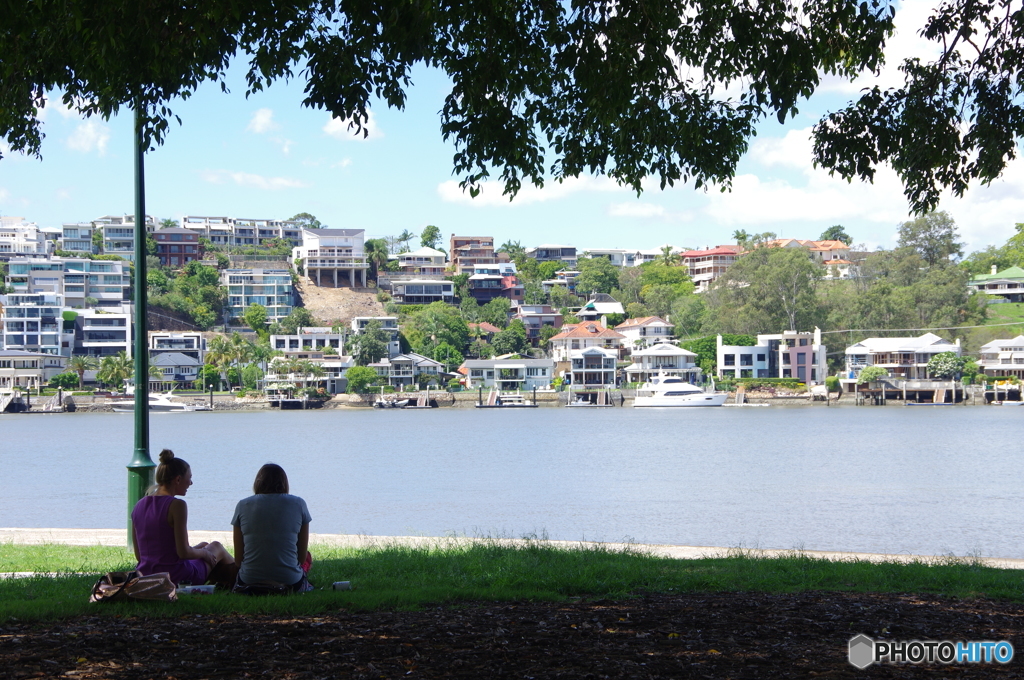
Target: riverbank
(118, 538)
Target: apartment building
(333, 257)
(33, 322)
(309, 339)
(20, 238)
(176, 247)
(708, 265)
(101, 333)
(422, 291)
(189, 343)
(119, 234)
(243, 231)
(103, 283)
(466, 252)
(76, 237)
(271, 288)
(535, 318)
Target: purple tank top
(155, 538)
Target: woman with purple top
(160, 529)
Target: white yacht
(158, 402)
(671, 390)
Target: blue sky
(267, 156)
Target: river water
(918, 480)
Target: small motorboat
(671, 390)
(390, 402)
(159, 402)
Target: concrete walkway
(118, 537)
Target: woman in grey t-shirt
(272, 533)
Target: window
(477, 373)
(786, 359)
(803, 342)
(729, 360)
(747, 373)
(760, 358)
(801, 357)
(747, 360)
(801, 372)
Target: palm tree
(115, 369)
(218, 354)
(669, 258)
(81, 363)
(241, 351)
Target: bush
(832, 383)
(67, 380)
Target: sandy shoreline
(117, 537)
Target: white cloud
(636, 210)
(246, 179)
(490, 192)
(262, 121)
(4, 195)
(346, 130)
(795, 150)
(91, 135)
(64, 194)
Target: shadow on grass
(451, 571)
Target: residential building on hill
(76, 279)
(593, 367)
(599, 305)
(584, 335)
(271, 288)
(536, 317)
(21, 238)
(119, 234)
(422, 291)
(33, 322)
(1003, 358)
(652, 254)
(566, 278)
(1007, 284)
(309, 339)
(466, 252)
(708, 265)
(904, 358)
(620, 257)
(76, 237)
(176, 247)
(389, 324)
(332, 256)
(189, 343)
(239, 231)
(790, 354)
(176, 370)
(645, 331)
(553, 253)
(485, 287)
(101, 333)
(421, 262)
(406, 369)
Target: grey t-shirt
(270, 524)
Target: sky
(269, 157)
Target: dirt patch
(338, 305)
(728, 635)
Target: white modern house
(18, 237)
(101, 333)
(664, 358)
(619, 257)
(103, 283)
(790, 354)
(279, 379)
(421, 262)
(553, 253)
(645, 331)
(333, 256)
(1003, 358)
(509, 373)
(309, 338)
(584, 335)
(422, 291)
(904, 358)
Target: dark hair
(169, 468)
(270, 479)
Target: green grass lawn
(401, 577)
(1009, 312)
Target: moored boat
(160, 402)
(671, 390)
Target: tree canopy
(540, 89)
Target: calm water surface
(894, 480)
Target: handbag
(121, 586)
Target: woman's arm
(178, 517)
(135, 544)
(303, 543)
(239, 546)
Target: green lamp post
(141, 467)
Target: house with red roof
(582, 336)
(645, 331)
(706, 266)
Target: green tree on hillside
(307, 220)
(836, 232)
(360, 378)
(371, 345)
(597, 275)
(430, 237)
(934, 236)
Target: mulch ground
(722, 635)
